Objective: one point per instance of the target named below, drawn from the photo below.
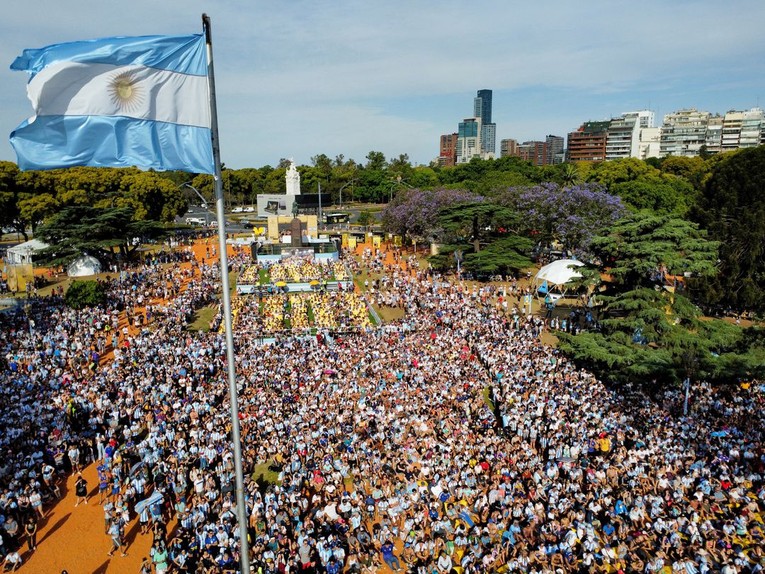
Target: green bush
(83, 294)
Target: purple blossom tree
(570, 215)
(414, 212)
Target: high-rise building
(684, 132)
(482, 106)
(447, 154)
(624, 134)
(588, 143)
(468, 140)
(742, 129)
(533, 151)
(482, 109)
(555, 145)
(508, 148)
(488, 140)
(713, 137)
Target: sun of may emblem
(125, 91)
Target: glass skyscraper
(482, 110)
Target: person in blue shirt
(333, 566)
(389, 557)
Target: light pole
(346, 184)
(398, 183)
(204, 201)
(319, 222)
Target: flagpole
(232, 391)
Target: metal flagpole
(235, 438)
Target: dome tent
(83, 266)
(553, 277)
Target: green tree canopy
(639, 247)
(81, 294)
(101, 232)
(650, 330)
(732, 209)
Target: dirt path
(73, 538)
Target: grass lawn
(262, 471)
(388, 314)
(202, 318)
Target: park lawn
(390, 314)
(263, 472)
(202, 318)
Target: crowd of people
(450, 441)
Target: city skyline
(305, 78)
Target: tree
(485, 234)
(569, 174)
(650, 327)
(9, 193)
(732, 208)
(660, 337)
(667, 194)
(641, 247)
(376, 161)
(609, 173)
(81, 294)
(365, 218)
(79, 229)
(151, 197)
(569, 215)
(414, 212)
(36, 208)
(694, 170)
(475, 222)
(508, 255)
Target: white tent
(23, 252)
(84, 265)
(553, 277)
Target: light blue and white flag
(117, 102)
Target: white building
(649, 144)
(742, 129)
(684, 132)
(625, 132)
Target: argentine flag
(117, 102)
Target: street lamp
(398, 183)
(346, 184)
(204, 201)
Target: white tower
(293, 179)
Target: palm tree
(570, 174)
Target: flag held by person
(117, 102)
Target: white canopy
(557, 274)
(23, 252)
(84, 265)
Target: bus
(333, 218)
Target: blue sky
(296, 78)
